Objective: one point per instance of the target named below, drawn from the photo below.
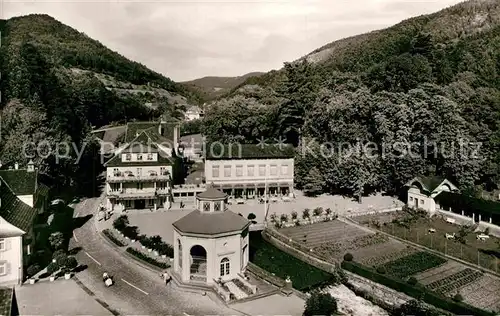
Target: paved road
(137, 291)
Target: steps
(235, 290)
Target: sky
(185, 40)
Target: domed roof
(203, 223)
(211, 194)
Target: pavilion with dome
(211, 242)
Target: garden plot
(417, 262)
(339, 249)
(454, 282)
(382, 253)
(433, 275)
(319, 233)
(483, 293)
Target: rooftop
(20, 181)
(211, 194)
(217, 151)
(15, 211)
(429, 183)
(212, 223)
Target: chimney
(16, 166)
(31, 166)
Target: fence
(372, 212)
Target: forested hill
(432, 79)
(57, 83)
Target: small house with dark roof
(26, 185)
(210, 243)
(16, 234)
(247, 171)
(422, 191)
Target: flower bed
(147, 259)
(454, 282)
(111, 237)
(414, 263)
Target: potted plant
(294, 215)
(283, 218)
(51, 269)
(69, 264)
(305, 213)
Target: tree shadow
(80, 221)
(491, 252)
(74, 251)
(80, 268)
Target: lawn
(483, 253)
(266, 256)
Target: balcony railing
(130, 177)
(180, 187)
(138, 194)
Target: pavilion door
(416, 203)
(140, 204)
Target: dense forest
(46, 102)
(431, 82)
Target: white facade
(193, 113)
(421, 197)
(251, 177)
(226, 256)
(140, 184)
(11, 254)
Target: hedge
(414, 291)
(147, 259)
(110, 236)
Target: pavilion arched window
(224, 267)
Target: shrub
(458, 297)
(113, 239)
(120, 223)
(328, 211)
(251, 216)
(305, 213)
(273, 217)
(52, 268)
(32, 270)
(381, 270)
(56, 240)
(320, 303)
(348, 257)
(412, 281)
(131, 232)
(58, 253)
(283, 217)
(60, 258)
(70, 263)
(318, 211)
(294, 215)
(147, 259)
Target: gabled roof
(20, 181)
(144, 144)
(429, 183)
(15, 211)
(135, 128)
(8, 230)
(217, 151)
(211, 223)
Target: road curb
(92, 294)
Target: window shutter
(7, 268)
(8, 244)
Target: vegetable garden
(411, 264)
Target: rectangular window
(421, 201)
(128, 157)
(239, 171)
(206, 207)
(227, 171)
(411, 198)
(3, 268)
(217, 206)
(163, 171)
(139, 172)
(215, 171)
(262, 170)
(2, 244)
(115, 172)
(274, 170)
(140, 186)
(150, 156)
(115, 187)
(284, 170)
(139, 157)
(250, 170)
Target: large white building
(210, 243)
(422, 192)
(140, 174)
(249, 171)
(193, 113)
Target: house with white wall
(193, 113)
(423, 190)
(16, 235)
(250, 170)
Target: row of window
(416, 200)
(250, 171)
(3, 264)
(163, 171)
(139, 186)
(128, 157)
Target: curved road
(137, 291)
